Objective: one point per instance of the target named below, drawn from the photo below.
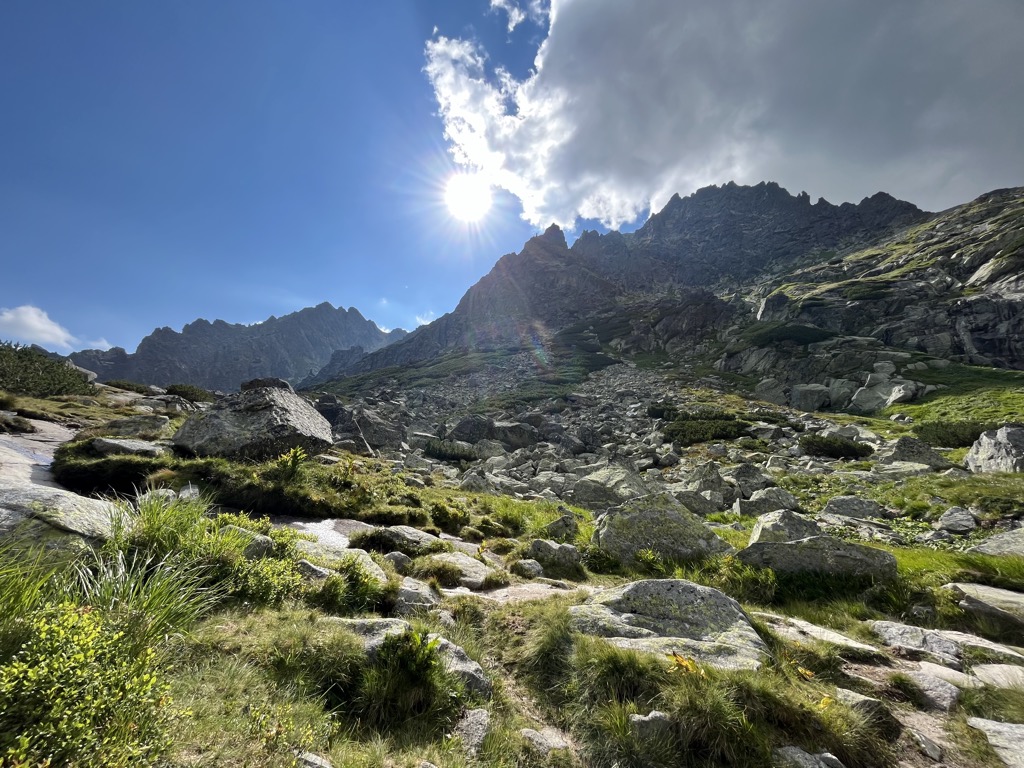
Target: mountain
(221, 355)
(711, 241)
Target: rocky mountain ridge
(221, 355)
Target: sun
(468, 196)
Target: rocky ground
(626, 514)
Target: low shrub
(191, 393)
(665, 411)
(834, 447)
(690, 431)
(30, 371)
(7, 401)
(768, 334)
(448, 517)
(952, 434)
(349, 591)
(76, 695)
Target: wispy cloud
(535, 10)
(920, 98)
(425, 318)
(32, 325)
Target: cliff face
(717, 239)
(221, 355)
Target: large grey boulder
(473, 574)
(913, 451)
(53, 517)
(1006, 543)
(764, 501)
(666, 616)
(820, 554)
(853, 506)
(607, 487)
(998, 450)
(809, 397)
(956, 520)
(515, 434)
(472, 429)
(783, 525)
(659, 523)
(555, 557)
(255, 424)
(1004, 738)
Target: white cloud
(31, 325)
(425, 318)
(535, 10)
(630, 103)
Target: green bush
(767, 334)
(75, 695)
(952, 434)
(703, 425)
(835, 447)
(128, 386)
(7, 401)
(662, 410)
(349, 591)
(29, 371)
(448, 518)
(191, 393)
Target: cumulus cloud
(31, 325)
(628, 104)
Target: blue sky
(164, 161)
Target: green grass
(971, 393)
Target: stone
(749, 479)
(905, 637)
(267, 382)
(764, 501)
(956, 520)
(1007, 543)
(564, 528)
(809, 397)
(783, 525)
(771, 390)
(871, 709)
(401, 561)
(457, 662)
(801, 631)
(607, 487)
(339, 558)
(666, 616)
(255, 424)
(555, 557)
(528, 569)
(371, 632)
(693, 501)
(546, 740)
(820, 554)
(410, 541)
(999, 675)
(1004, 738)
(309, 760)
(257, 545)
(937, 693)
(853, 506)
(414, 596)
(794, 757)
(998, 450)
(472, 573)
(515, 434)
(654, 726)
(926, 746)
(54, 517)
(312, 572)
(707, 479)
(911, 450)
(472, 729)
(472, 429)
(1003, 605)
(659, 523)
(952, 676)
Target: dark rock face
(220, 355)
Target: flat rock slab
(1006, 739)
(820, 554)
(332, 532)
(802, 631)
(938, 693)
(992, 602)
(126, 446)
(667, 616)
(944, 644)
(59, 509)
(1008, 543)
(1000, 675)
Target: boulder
(820, 554)
(809, 397)
(54, 517)
(749, 479)
(472, 573)
(659, 523)
(783, 525)
(563, 528)
(255, 424)
(414, 597)
(473, 429)
(607, 487)
(1007, 543)
(515, 434)
(998, 450)
(528, 569)
(764, 501)
(956, 520)
(555, 557)
(853, 506)
(472, 730)
(122, 446)
(1004, 738)
(912, 451)
(408, 540)
(1003, 606)
(667, 616)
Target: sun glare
(468, 196)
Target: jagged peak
(552, 234)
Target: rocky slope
(716, 239)
(221, 355)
